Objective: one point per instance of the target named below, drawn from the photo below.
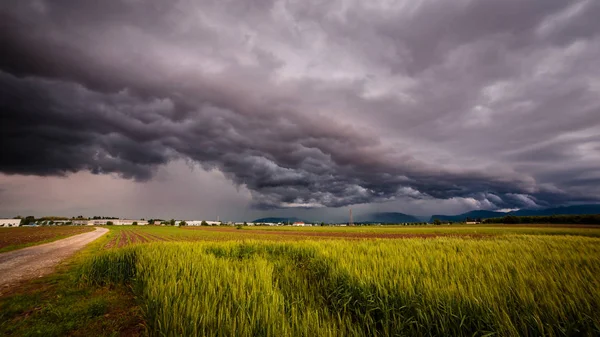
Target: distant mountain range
(396, 217)
(388, 217)
(471, 215)
(564, 210)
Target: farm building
(10, 222)
(130, 222)
(299, 223)
(244, 223)
(199, 223)
(117, 222)
(97, 222)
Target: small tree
(204, 223)
(134, 223)
(28, 219)
(172, 222)
(437, 222)
(322, 223)
(182, 223)
(109, 223)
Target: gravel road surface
(37, 261)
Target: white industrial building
(199, 222)
(10, 222)
(116, 222)
(130, 222)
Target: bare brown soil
(124, 240)
(27, 235)
(111, 243)
(135, 237)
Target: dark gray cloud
(311, 104)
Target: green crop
(507, 286)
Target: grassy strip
(57, 305)
(589, 230)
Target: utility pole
(351, 223)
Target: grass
(463, 280)
(21, 237)
(509, 286)
(167, 233)
(587, 230)
(58, 305)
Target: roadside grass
(21, 237)
(57, 305)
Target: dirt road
(36, 261)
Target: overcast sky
(240, 109)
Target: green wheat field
(237, 283)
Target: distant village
(108, 221)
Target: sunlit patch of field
(507, 285)
(124, 235)
(19, 237)
(538, 229)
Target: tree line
(587, 219)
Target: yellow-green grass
(226, 233)
(58, 305)
(509, 285)
(584, 230)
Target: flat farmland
(20, 237)
(121, 236)
(482, 280)
(225, 283)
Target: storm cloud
(309, 103)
